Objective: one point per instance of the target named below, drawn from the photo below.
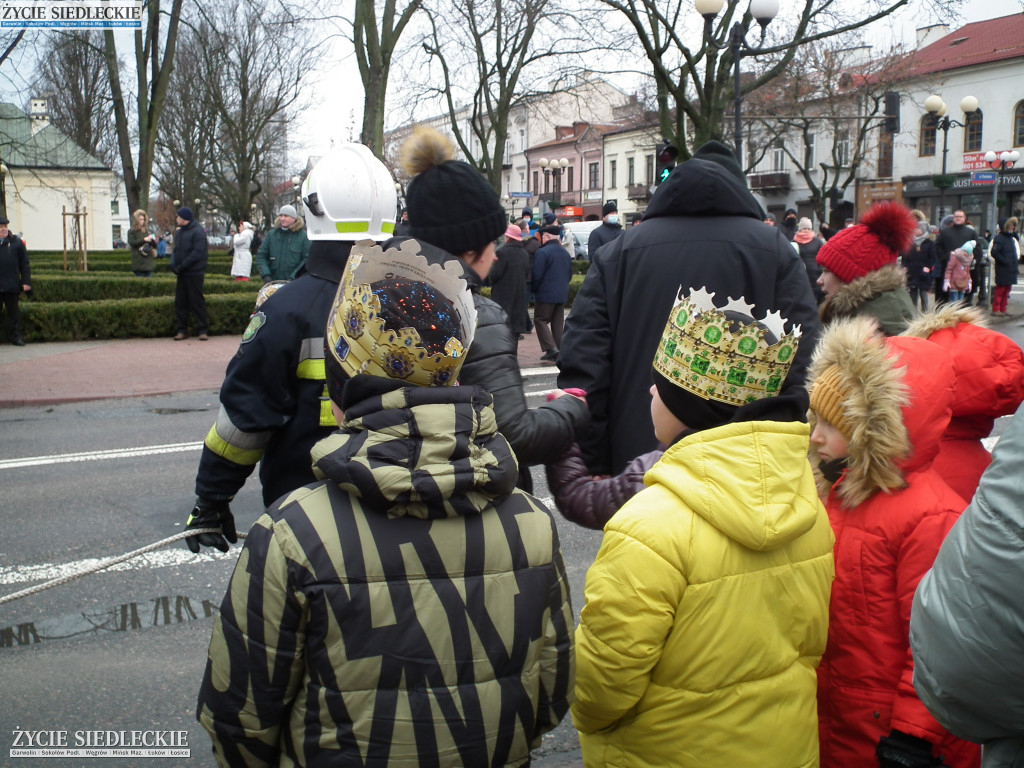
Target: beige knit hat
(827, 399)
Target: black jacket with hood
(702, 228)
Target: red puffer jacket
(989, 371)
(890, 512)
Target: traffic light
(892, 112)
(666, 156)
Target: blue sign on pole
(983, 177)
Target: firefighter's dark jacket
(273, 403)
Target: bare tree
(73, 75)
(694, 85)
(185, 143)
(154, 61)
(826, 115)
(488, 50)
(257, 55)
(376, 39)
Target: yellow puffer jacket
(707, 609)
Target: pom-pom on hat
(450, 203)
(884, 232)
(186, 213)
(609, 207)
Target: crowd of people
(775, 470)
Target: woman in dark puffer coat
(920, 263)
(439, 186)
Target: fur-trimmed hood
(853, 295)
(988, 366)
(296, 226)
(898, 401)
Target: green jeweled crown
(357, 336)
(717, 358)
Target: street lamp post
(553, 168)
(936, 107)
(736, 43)
(997, 161)
(3, 188)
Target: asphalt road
(125, 649)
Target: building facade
(54, 191)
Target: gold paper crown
(356, 334)
(700, 353)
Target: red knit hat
(884, 232)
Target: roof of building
(981, 42)
(47, 148)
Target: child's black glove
(901, 750)
(211, 514)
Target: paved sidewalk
(67, 372)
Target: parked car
(581, 233)
(218, 240)
(120, 244)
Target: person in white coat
(241, 262)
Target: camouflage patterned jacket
(412, 609)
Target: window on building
(1018, 124)
(594, 176)
(522, 182)
(522, 139)
(117, 232)
(547, 182)
(649, 169)
(536, 184)
(973, 122)
(115, 207)
(779, 156)
(884, 154)
(612, 181)
(810, 155)
(842, 151)
(557, 182)
(508, 152)
(631, 171)
(928, 136)
(569, 172)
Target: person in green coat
(860, 274)
(285, 249)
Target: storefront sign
(975, 161)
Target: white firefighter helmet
(349, 195)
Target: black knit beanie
(719, 153)
(451, 205)
(694, 411)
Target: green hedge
(127, 318)
(89, 286)
(75, 306)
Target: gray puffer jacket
(967, 622)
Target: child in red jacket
(879, 407)
(989, 369)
